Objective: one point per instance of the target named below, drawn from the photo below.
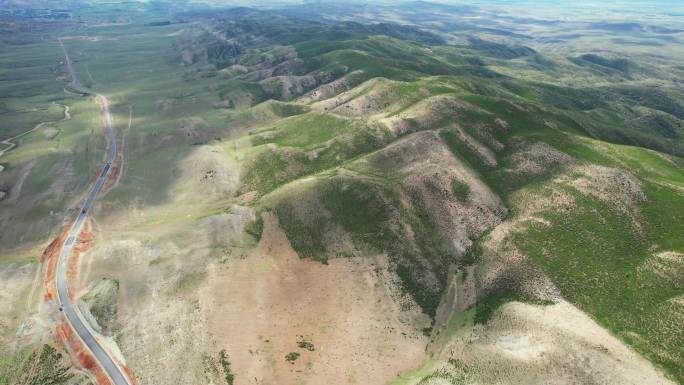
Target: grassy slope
(597, 259)
(137, 69)
(595, 255)
(633, 304)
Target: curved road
(74, 317)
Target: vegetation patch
(360, 207)
(102, 301)
(225, 365)
(372, 214)
(306, 344)
(473, 254)
(275, 166)
(485, 307)
(461, 150)
(190, 281)
(304, 131)
(594, 254)
(255, 228)
(267, 171)
(306, 237)
(460, 189)
(40, 366)
(292, 357)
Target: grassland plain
(463, 195)
(64, 142)
(28, 87)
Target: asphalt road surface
(73, 316)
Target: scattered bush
(255, 228)
(460, 189)
(292, 357)
(304, 344)
(225, 364)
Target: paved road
(74, 317)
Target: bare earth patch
(15, 288)
(667, 265)
(265, 304)
(534, 158)
(556, 344)
(427, 114)
(207, 173)
(287, 87)
(342, 102)
(164, 333)
(331, 89)
(611, 185)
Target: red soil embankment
(85, 239)
(80, 355)
(49, 261)
(113, 176)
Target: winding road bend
(115, 373)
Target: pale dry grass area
(534, 158)
(328, 90)
(667, 265)
(17, 295)
(531, 344)
(181, 302)
(207, 174)
(368, 98)
(615, 187)
(287, 87)
(163, 330)
(349, 310)
(427, 114)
